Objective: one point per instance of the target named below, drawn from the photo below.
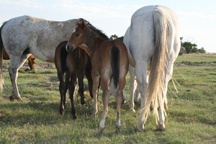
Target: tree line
(186, 47)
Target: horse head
(78, 37)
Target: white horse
(27, 35)
(152, 37)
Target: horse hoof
(140, 128)
(94, 114)
(75, 117)
(124, 101)
(19, 99)
(133, 110)
(82, 102)
(61, 112)
(118, 130)
(100, 131)
(160, 127)
(11, 98)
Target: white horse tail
(1, 60)
(158, 63)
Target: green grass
(191, 117)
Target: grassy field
(191, 114)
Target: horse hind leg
(105, 97)
(161, 116)
(95, 79)
(89, 78)
(132, 84)
(16, 63)
(119, 99)
(142, 79)
(161, 111)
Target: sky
(197, 18)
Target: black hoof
(124, 101)
(61, 112)
(75, 117)
(82, 102)
(11, 98)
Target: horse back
(40, 36)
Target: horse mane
(89, 25)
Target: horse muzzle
(69, 47)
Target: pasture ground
(191, 116)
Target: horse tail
(158, 63)
(63, 56)
(115, 62)
(1, 59)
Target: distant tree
(194, 48)
(202, 50)
(114, 36)
(188, 47)
(182, 50)
(121, 38)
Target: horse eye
(76, 35)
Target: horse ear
(82, 23)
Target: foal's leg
(72, 84)
(136, 93)
(15, 63)
(105, 97)
(95, 93)
(81, 88)
(142, 79)
(132, 82)
(119, 99)
(61, 90)
(63, 86)
(89, 78)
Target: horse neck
(93, 40)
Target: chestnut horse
(31, 59)
(109, 61)
(74, 65)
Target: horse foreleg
(13, 75)
(15, 64)
(71, 93)
(62, 91)
(62, 104)
(67, 77)
(81, 88)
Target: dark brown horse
(109, 61)
(74, 65)
(31, 59)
